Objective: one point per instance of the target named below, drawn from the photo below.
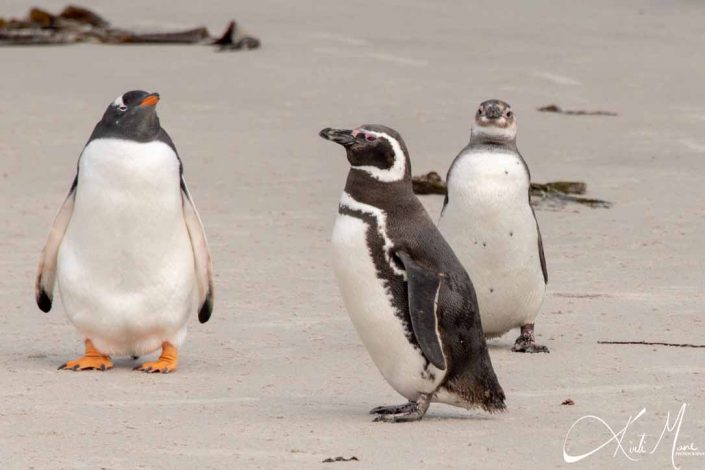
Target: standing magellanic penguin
(408, 296)
(127, 249)
(488, 220)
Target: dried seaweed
(191, 36)
(230, 41)
(550, 195)
(553, 194)
(77, 25)
(650, 343)
(552, 108)
(340, 459)
(565, 187)
(83, 16)
(430, 183)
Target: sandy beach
(278, 378)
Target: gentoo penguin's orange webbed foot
(167, 362)
(526, 342)
(91, 360)
(412, 411)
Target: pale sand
(278, 377)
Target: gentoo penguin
(489, 222)
(408, 296)
(127, 249)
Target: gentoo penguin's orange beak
(150, 100)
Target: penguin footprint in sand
(127, 249)
(408, 296)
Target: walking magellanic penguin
(127, 249)
(408, 296)
(488, 220)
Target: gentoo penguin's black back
(380, 177)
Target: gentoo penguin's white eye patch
(120, 104)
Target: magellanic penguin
(409, 298)
(488, 220)
(127, 249)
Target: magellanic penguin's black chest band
(394, 284)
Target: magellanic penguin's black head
(132, 116)
(375, 150)
(494, 122)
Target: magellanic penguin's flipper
(201, 255)
(424, 286)
(542, 257)
(46, 272)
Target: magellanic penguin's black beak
(493, 112)
(150, 100)
(343, 137)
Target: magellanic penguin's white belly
(126, 269)
(490, 225)
(370, 307)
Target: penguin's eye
(479, 112)
(122, 108)
(370, 137)
(509, 114)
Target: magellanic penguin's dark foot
(393, 409)
(408, 412)
(526, 342)
(92, 360)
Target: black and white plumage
(488, 220)
(127, 250)
(409, 298)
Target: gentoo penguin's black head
(494, 122)
(132, 116)
(374, 149)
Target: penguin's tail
(489, 393)
(478, 386)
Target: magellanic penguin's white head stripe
(492, 131)
(398, 169)
(347, 200)
(119, 102)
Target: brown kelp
(555, 193)
(79, 25)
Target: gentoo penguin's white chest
(125, 267)
(490, 225)
(369, 302)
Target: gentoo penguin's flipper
(423, 288)
(46, 272)
(201, 255)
